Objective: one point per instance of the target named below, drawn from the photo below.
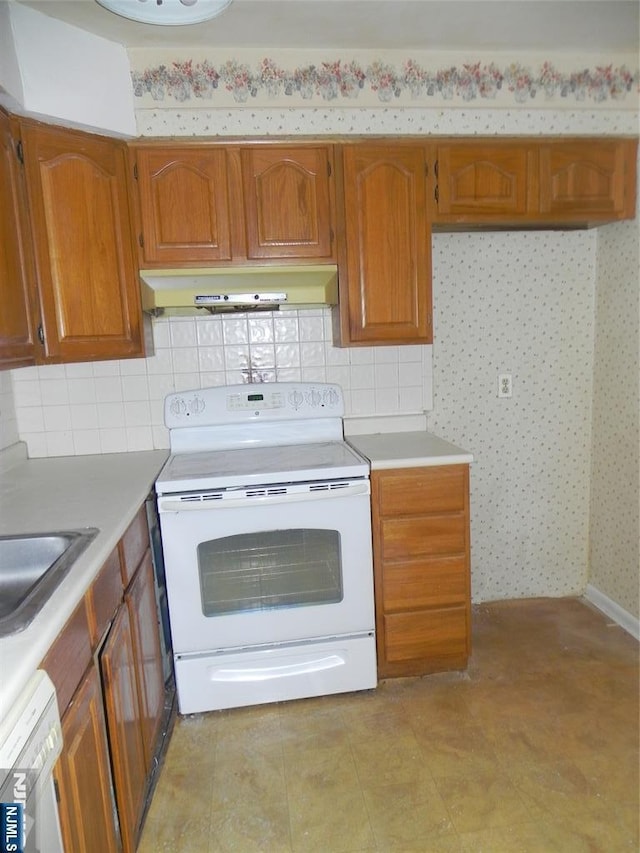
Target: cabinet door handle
(41, 334)
(436, 193)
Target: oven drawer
(232, 680)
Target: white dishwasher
(30, 743)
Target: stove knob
(196, 406)
(315, 397)
(177, 406)
(296, 399)
(330, 398)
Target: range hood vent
(193, 292)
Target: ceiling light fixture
(169, 13)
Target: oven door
(268, 565)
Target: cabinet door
(483, 182)
(288, 202)
(184, 204)
(386, 292)
(141, 603)
(17, 346)
(87, 810)
(81, 231)
(593, 179)
(118, 666)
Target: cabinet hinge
(41, 334)
(135, 171)
(20, 151)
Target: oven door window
(270, 570)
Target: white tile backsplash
(9, 427)
(108, 407)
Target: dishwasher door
(30, 743)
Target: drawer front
(427, 634)
(430, 582)
(104, 597)
(133, 545)
(422, 490)
(404, 538)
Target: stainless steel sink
(31, 567)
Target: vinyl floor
(535, 748)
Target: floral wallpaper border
(182, 81)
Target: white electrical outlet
(505, 385)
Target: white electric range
(266, 532)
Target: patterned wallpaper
(319, 121)
(504, 302)
(615, 476)
(520, 304)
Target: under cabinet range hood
(222, 289)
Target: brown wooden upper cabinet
(80, 230)
(17, 342)
(184, 204)
(288, 202)
(385, 263)
(587, 178)
(533, 182)
(488, 181)
(228, 205)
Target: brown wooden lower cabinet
(106, 665)
(421, 569)
(83, 776)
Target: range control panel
(242, 403)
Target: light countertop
(64, 493)
(408, 450)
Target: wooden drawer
(430, 582)
(422, 490)
(133, 545)
(104, 597)
(404, 538)
(69, 656)
(431, 635)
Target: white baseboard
(607, 605)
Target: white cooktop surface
(259, 466)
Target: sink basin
(31, 567)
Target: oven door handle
(169, 505)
